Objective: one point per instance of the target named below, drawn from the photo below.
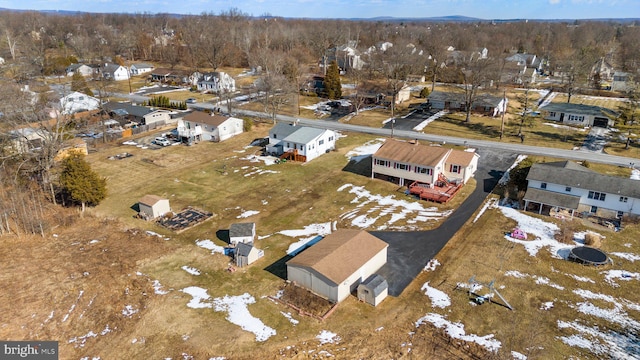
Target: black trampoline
(588, 255)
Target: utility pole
(504, 110)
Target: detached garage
(337, 264)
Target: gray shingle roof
(376, 284)
(130, 109)
(579, 109)
(241, 229)
(282, 130)
(304, 135)
(552, 198)
(243, 249)
(574, 175)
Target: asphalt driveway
(409, 252)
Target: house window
(552, 114)
(623, 199)
(330, 138)
(275, 136)
(620, 214)
(320, 142)
(288, 145)
(594, 209)
(567, 189)
(380, 162)
(543, 186)
(596, 195)
(422, 170)
(455, 169)
(402, 166)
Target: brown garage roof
(405, 152)
(150, 200)
(459, 157)
(340, 254)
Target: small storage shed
(373, 290)
(242, 233)
(246, 254)
(153, 206)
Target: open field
(120, 291)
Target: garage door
(601, 122)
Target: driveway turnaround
(410, 251)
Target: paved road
(409, 252)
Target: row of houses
(214, 82)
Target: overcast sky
(484, 9)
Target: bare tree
(476, 73)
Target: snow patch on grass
(456, 331)
(209, 245)
(438, 298)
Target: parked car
(191, 101)
(162, 141)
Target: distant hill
(451, 18)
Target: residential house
(153, 206)
(82, 69)
(140, 68)
(246, 254)
(521, 69)
(579, 114)
(346, 56)
(621, 81)
(337, 264)
(242, 233)
(603, 70)
(373, 290)
(26, 139)
(126, 113)
(300, 143)
(574, 188)
(404, 162)
(78, 102)
(215, 82)
(114, 72)
(199, 125)
(175, 76)
(483, 104)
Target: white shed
(242, 233)
(337, 264)
(246, 254)
(373, 290)
(153, 206)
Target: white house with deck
(337, 264)
(300, 143)
(403, 162)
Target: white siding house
(78, 102)
(140, 68)
(215, 82)
(115, 72)
(567, 185)
(337, 264)
(403, 162)
(242, 233)
(199, 126)
(301, 142)
(152, 206)
(579, 114)
(82, 69)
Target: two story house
(573, 187)
(199, 125)
(404, 162)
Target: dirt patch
(306, 301)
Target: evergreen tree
(80, 183)
(332, 86)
